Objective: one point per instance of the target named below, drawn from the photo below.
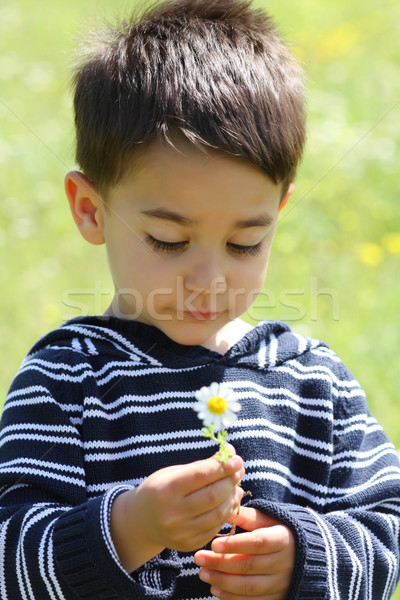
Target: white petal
(214, 389)
(217, 421)
(202, 394)
(228, 418)
(207, 419)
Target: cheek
(245, 286)
(250, 275)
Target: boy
(190, 126)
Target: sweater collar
(267, 345)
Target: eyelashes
(160, 246)
(173, 247)
(246, 250)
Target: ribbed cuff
(89, 564)
(309, 579)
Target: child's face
(188, 239)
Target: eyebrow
(168, 215)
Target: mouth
(200, 315)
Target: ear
(86, 207)
(287, 197)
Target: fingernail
(240, 474)
(215, 591)
(204, 575)
(200, 561)
(237, 462)
(217, 546)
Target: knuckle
(259, 543)
(220, 513)
(212, 496)
(246, 565)
(249, 587)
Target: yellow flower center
(217, 405)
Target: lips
(200, 315)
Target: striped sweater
(101, 403)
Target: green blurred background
(334, 272)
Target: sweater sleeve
(349, 547)
(55, 542)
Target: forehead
(166, 170)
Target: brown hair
(214, 72)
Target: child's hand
(258, 563)
(181, 507)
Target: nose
(206, 276)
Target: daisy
(216, 405)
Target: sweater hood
(269, 344)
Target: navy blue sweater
(101, 403)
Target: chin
(190, 335)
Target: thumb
(250, 519)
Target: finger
(239, 585)
(237, 564)
(218, 515)
(260, 541)
(251, 518)
(213, 495)
(202, 473)
(224, 595)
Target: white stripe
(262, 354)
(129, 372)
(303, 343)
(388, 474)
(76, 344)
(357, 571)
(32, 516)
(139, 398)
(8, 490)
(367, 430)
(59, 377)
(42, 463)
(91, 347)
(3, 538)
(175, 446)
(99, 488)
(34, 389)
(168, 436)
(42, 438)
(270, 465)
(326, 352)
(320, 372)
(330, 555)
(30, 402)
(38, 427)
(277, 395)
(70, 408)
(189, 572)
(143, 450)
(363, 464)
(115, 374)
(48, 561)
(105, 523)
(128, 410)
(109, 335)
(43, 473)
(48, 364)
(276, 478)
(273, 350)
(142, 439)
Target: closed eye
(161, 246)
(246, 250)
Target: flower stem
(223, 453)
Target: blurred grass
(334, 272)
